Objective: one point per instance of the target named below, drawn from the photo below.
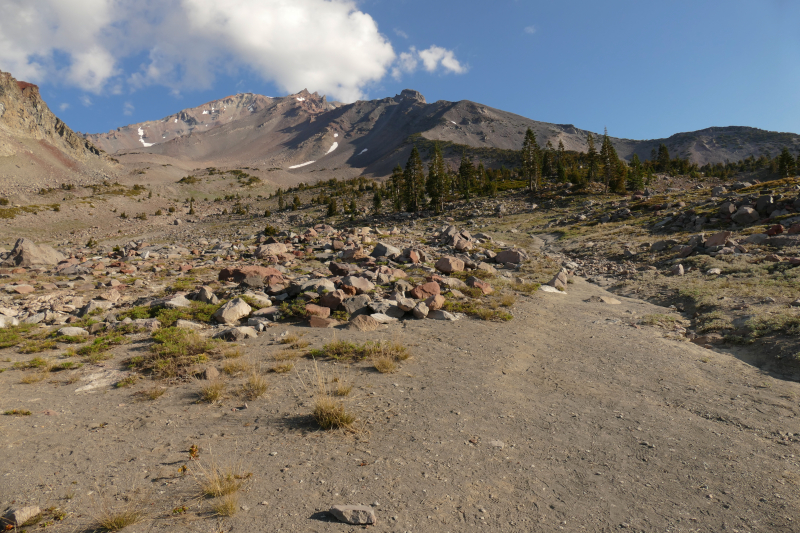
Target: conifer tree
(591, 159)
(480, 178)
(548, 160)
(531, 170)
(608, 158)
(296, 203)
(333, 209)
(414, 182)
(376, 201)
(635, 174)
(436, 185)
(396, 182)
(466, 174)
(281, 201)
(662, 159)
(786, 164)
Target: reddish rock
(794, 229)
(426, 290)
(23, 289)
(413, 256)
(448, 265)
(186, 267)
(318, 322)
(435, 303)
(509, 256)
(718, 239)
(794, 260)
(349, 290)
(364, 323)
(333, 299)
(18, 271)
(772, 258)
(239, 274)
(777, 229)
(477, 283)
(399, 274)
(318, 311)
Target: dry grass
(237, 366)
(35, 377)
(507, 300)
(216, 480)
(108, 518)
(344, 350)
(294, 341)
(341, 388)
(212, 391)
(227, 505)
(282, 368)
(153, 393)
(331, 414)
(384, 365)
(286, 355)
(255, 386)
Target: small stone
(425, 290)
(209, 372)
(318, 322)
(713, 271)
(22, 289)
(449, 265)
(677, 270)
(435, 303)
(317, 310)
(497, 444)
(354, 514)
(364, 323)
(23, 514)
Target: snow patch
(335, 135)
(333, 147)
(205, 112)
(303, 164)
(362, 151)
(299, 99)
(141, 139)
(176, 121)
(454, 123)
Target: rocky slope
(36, 147)
(303, 132)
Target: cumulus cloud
(433, 59)
(530, 29)
(436, 56)
(400, 33)
(63, 107)
(128, 109)
(325, 45)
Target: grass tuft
(255, 386)
(212, 391)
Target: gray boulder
(232, 312)
(745, 215)
(26, 253)
(354, 514)
(386, 250)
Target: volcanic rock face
(24, 113)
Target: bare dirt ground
(566, 418)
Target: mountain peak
(410, 94)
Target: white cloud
(324, 45)
(530, 29)
(436, 56)
(128, 109)
(85, 100)
(63, 107)
(400, 33)
(432, 59)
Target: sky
(642, 69)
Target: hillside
(37, 149)
(304, 133)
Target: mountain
(304, 132)
(37, 149)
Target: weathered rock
(718, 190)
(332, 299)
(232, 312)
(176, 302)
(23, 289)
(477, 283)
(319, 322)
(442, 315)
(745, 215)
(604, 299)
(435, 303)
(95, 305)
(357, 304)
(188, 324)
(551, 289)
(383, 319)
(26, 254)
(509, 256)
(8, 321)
(112, 295)
(714, 271)
(19, 516)
(757, 238)
(420, 310)
(449, 265)
(72, 332)
(239, 333)
(781, 241)
(718, 239)
(354, 514)
(727, 209)
(317, 310)
(362, 285)
(386, 250)
(486, 267)
(776, 229)
(677, 270)
(272, 249)
(406, 304)
(206, 295)
(364, 323)
(425, 290)
(765, 204)
(269, 276)
(341, 269)
(559, 281)
(209, 372)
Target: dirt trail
(566, 418)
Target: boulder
(357, 304)
(72, 332)
(361, 285)
(188, 324)
(20, 515)
(745, 215)
(386, 250)
(206, 295)
(425, 290)
(442, 315)
(677, 270)
(272, 249)
(718, 239)
(354, 514)
(420, 310)
(765, 204)
(727, 209)
(406, 304)
(448, 265)
(781, 241)
(341, 269)
(269, 276)
(559, 281)
(435, 303)
(232, 312)
(776, 229)
(364, 323)
(383, 319)
(208, 372)
(318, 310)
(757, 238)
(477, 283)
(237, 334)
(332, 299)
(8, 321)
(509, 256)
(718, 190)
(95, 305)
(318, 322)
(26, 253)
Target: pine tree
(436, 185)
(635, 174)
(591, 159)
(333, 209)
(376, 201)
(296, 203)
(785, 164)
(353, 207)
(662, 159)
(547, 160)
(397, 188)
(466, 175)
(609, 159)
(414, 182)
(531, 171)
(281, 202)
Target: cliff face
(23, 113)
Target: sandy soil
(566, 418)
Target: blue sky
(642, 69)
